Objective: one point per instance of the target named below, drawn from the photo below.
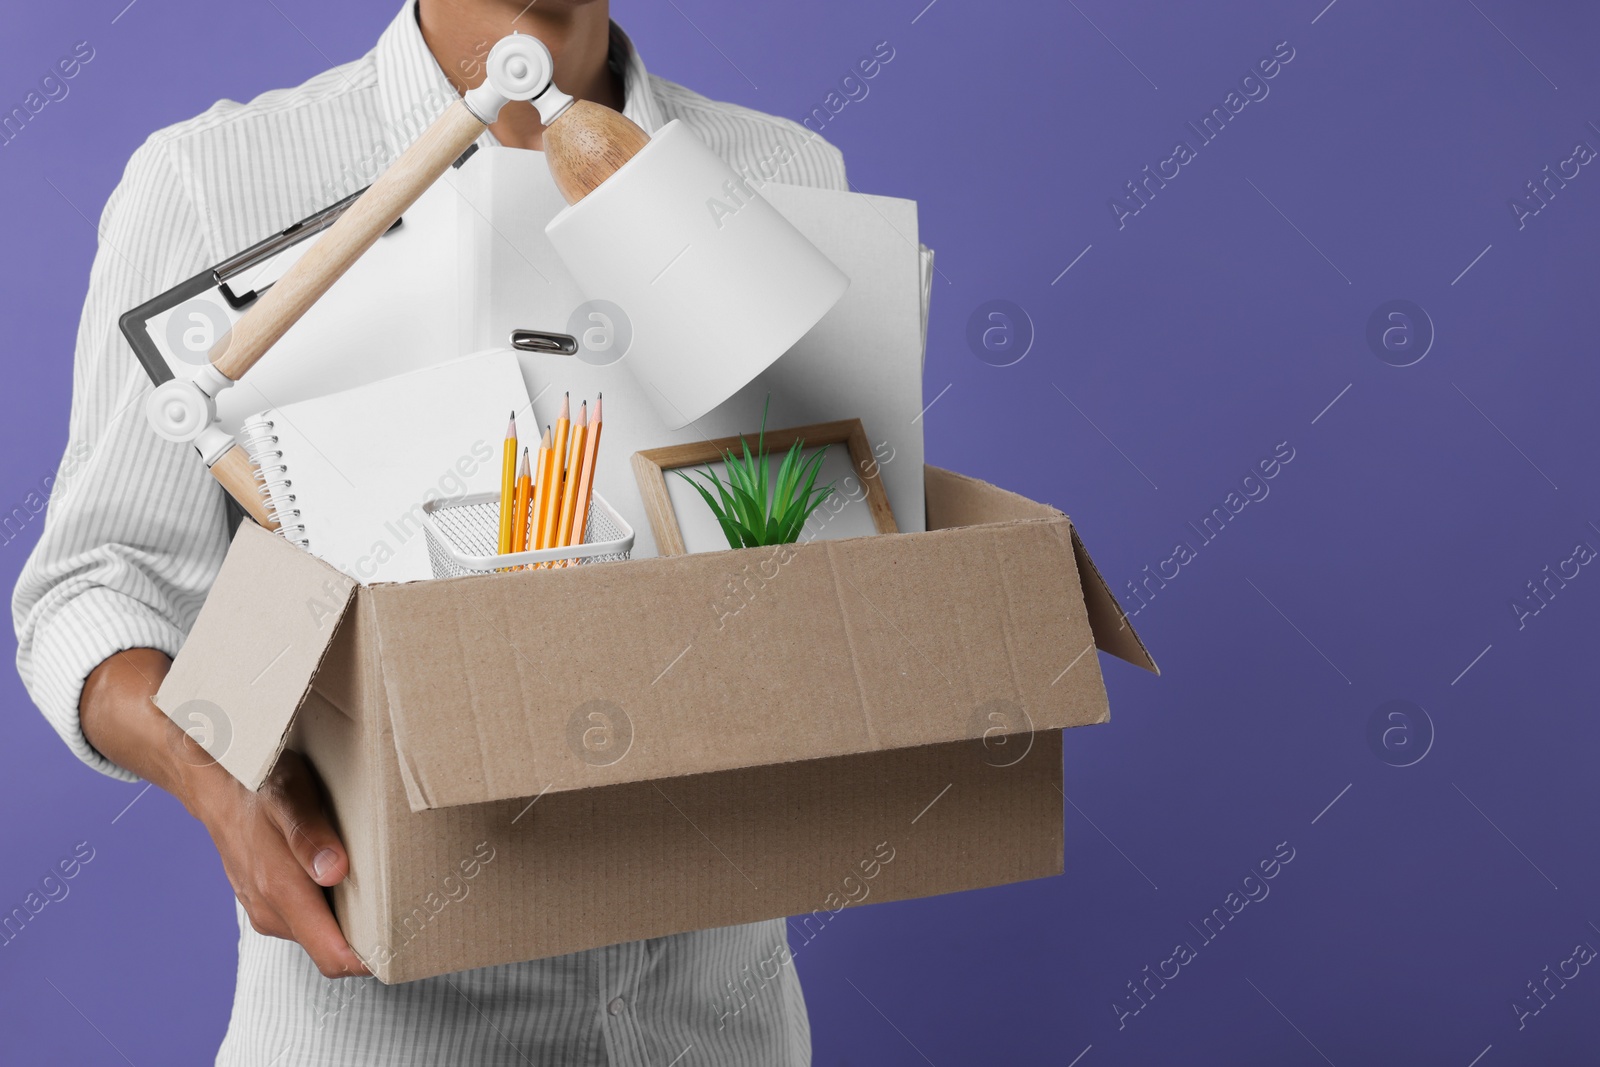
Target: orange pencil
(542, 491)
(569, 484)
(550, 518)
(519, 507)
(508, 485)
(585, 475)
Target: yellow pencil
(542, 492)
(508, 485)
(585, 475)
(565, 534)
(519, 507)
(549, 519)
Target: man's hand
(277, 846)
(279, 851)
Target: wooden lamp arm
(347, 240)
(236, 473)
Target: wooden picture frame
(650, 468)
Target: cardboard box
(523, 765)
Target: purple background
(1198, 337)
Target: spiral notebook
(345, 475)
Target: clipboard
(180, 326)
(198, 311)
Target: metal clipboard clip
(561, 344)
(261, 253)
(251, 258)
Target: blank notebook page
(359, 464)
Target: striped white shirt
(136, 531)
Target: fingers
(295, 807)
(303, 907)
(294, 909)
(282, 901)
(274, 844)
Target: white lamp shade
(715, 283)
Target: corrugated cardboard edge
(205, 670)
(380, 749)
(419, 797)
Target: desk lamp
(716, 283)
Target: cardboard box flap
(1113, 632)
(252, 653)
(509, 686)
(958, 500)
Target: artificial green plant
(752, 512)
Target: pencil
(508, 484)
(542, 491)
(585, 475)
(569, 484)
(550, 518)
(519, 507)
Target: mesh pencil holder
(463, 536)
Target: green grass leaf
(716, 509)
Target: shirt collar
(413, 89)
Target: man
(136, 535)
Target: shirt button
(616, 1006)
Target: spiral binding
(275, 487)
